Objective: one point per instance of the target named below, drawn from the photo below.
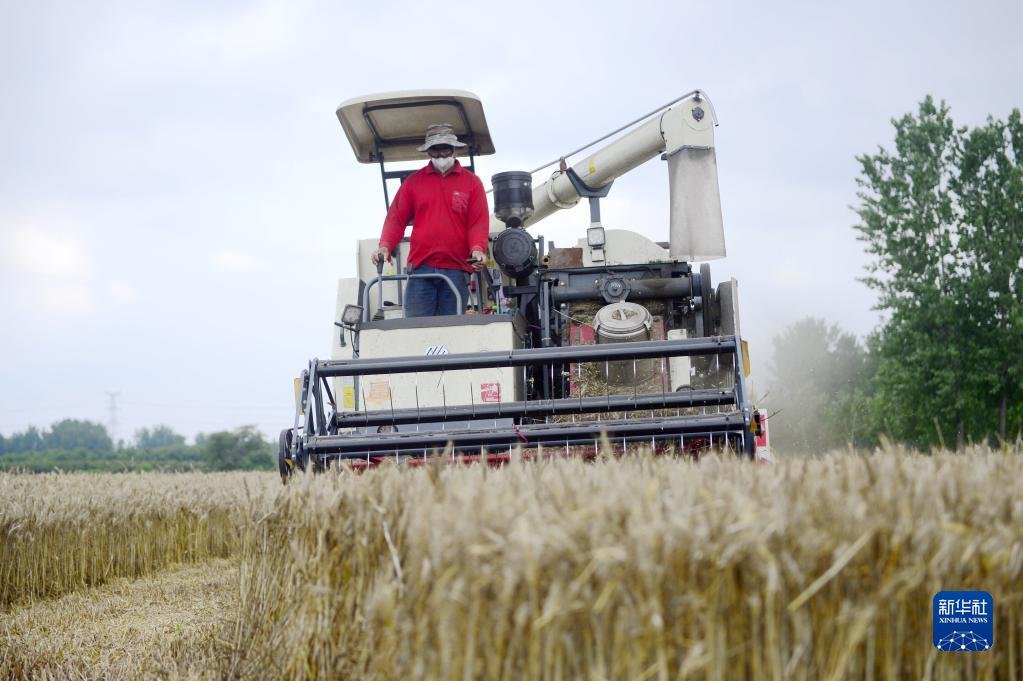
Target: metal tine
(735, 367)
(578, 372)
(499, 402)
(390, 398)
(550, 398)
(703, 409)
(607, 385)
(418, 417)
(665, 375)
(471, 399)
(724, 386)
(579, 387)
(635, 387)
(365, 407)
(717, 376)
(678, 410)
(525, 387)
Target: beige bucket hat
(440, 133)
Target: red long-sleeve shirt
(450, 217)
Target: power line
(112, 422)
(50, 408)
(171, 405)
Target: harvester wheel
(707, 295)
(721, 375)
(703, 366)
(285, 461)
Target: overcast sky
(177, 199)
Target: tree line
(79, 445)
(941, 217)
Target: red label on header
(490, 392)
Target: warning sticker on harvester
(490, 392)
(378, 390)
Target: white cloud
(267, 29)
(49, 255)
(120, 292)
(50, 269)
(67, 297)
(236, 261)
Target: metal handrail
(404, 277)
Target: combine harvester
(616, 339)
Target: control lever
(480, 274)
(380, 289)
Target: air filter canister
(513, 197)
(624, 322)
(515, 252)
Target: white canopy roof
(394, 123)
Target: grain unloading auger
(612, 341)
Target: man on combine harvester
(450, 221)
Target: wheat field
(60, 533)
(623, 568)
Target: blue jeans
(429, 297)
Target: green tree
(243, 448)
(75, 434)
(820, 381)
(158, 436)
(934, 216)
(990, 187)
(29, 441)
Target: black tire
(707, 295)
(703, 365)
(285, 462)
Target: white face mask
(443, 165)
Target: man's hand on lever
(379, 255)
(477, 260)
